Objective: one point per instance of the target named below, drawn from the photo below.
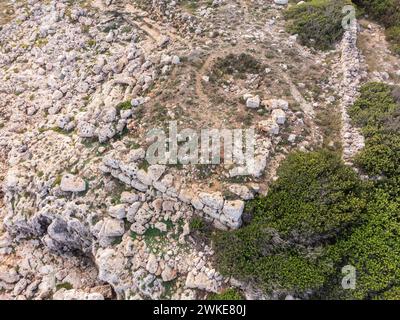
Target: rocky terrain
(83, 215)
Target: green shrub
(373, 249)
(318, 23)
(315, 197)
(229, 294)
(126, 105)
(386, 12)
(197, 223)
(393, 36)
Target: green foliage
(386, 12)
(374, 250)
(318, 23)
(377, 112)
(315, 197)
(196, 224)
(228, 294)
(144, 165)
(393, 36)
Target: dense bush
(318, 23)
(378, 114)
(237, 66)
(373, 248)
(315, 197)
(319, 217)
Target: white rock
(175, 60)
(129, 197)
(279, 116)
(57, 95)
(71, 183)
(212, 200)
(253, 102)
(233, 209)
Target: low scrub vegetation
(318, 23)
(237, 66)
(319, 216)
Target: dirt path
(152, 28)
(378, 56)
(306, 107)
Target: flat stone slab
(71, 183)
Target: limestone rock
(71, 183)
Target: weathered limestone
(70, 183)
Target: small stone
(253, 102)
(233, 209)
(279, 116)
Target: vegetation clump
(318, 23)
(320, 216)
(316, 197)
(228, 294)
(237, 66)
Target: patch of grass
(197, 223)
(57, 181)
(126, 105)
(64, 285)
